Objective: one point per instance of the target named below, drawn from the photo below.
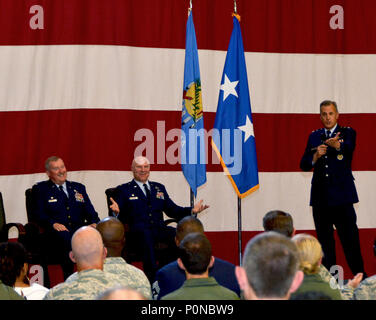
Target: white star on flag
(247, 128)
(229, 88)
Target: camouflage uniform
(346, 291)
(87, 285)
(128, 275)
(366, 289)
(124, 274)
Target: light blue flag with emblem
(233, 135)
(193, 157)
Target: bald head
(88, 251)
(113, 235)
(141, 169)
(121, 293)
(140, 160)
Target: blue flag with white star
(193, 158)
(233, 135)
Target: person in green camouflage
(115, 267)
(367, 288)
(112, 232)
(88, 252)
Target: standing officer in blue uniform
(61, 207)
(141, 203)
(329, 152)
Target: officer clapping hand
(320, 151)
(198, 207)
(334, 142)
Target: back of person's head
(13, 256)
(121, 293)
(280, 222)
(188, 224)
(88, 251)
(310, 253)
(113, 235)
(311, 295)
(195, 253)
(271, 263)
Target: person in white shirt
(14, 270)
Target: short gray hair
(49, 160)
(326, 103)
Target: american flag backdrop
(96, 81)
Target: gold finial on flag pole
(235, 13)
(190, 7)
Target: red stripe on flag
(285, 26)
(103, 139)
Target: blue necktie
(148, 194)
(64, 194)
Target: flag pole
(192, 196)
(192, 200)
(240, 229)
(239, 199)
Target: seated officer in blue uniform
(329, 152)
(141, 204)
(61, 207)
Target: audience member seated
(121, 293)
(8, 293)
(310, 256)
(171, 277)
(112, 232)
(367, 288)
(282, 222)
(279, 221)
(311, 295)
(195, 257)
(88, 252)
(270, 269)
(14, 270)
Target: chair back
(2, 213)
(29, 205)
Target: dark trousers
(61, 242)
(344, 219)
(157, 248)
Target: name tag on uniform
(52, 200)
(133, 198)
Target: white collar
(332, 129)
